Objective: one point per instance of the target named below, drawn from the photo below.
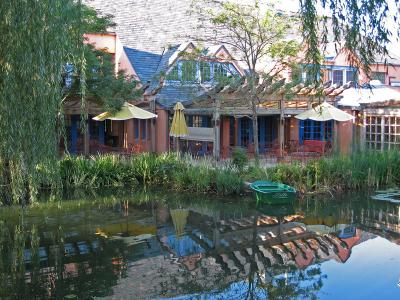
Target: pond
(153, 245)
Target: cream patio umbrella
(325, 112)
(127, 111)
(178, 127)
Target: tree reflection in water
(46, 267)
(204, 248)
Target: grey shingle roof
(150, 31)
(145, 63)
(149, 25)
(170, 94)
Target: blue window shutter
(204, 121)
(301, 131)
(101, 132)
(74, 133)
(321, 134)
(143, 129)
(190, 121)
(136, 125)
(262, 132)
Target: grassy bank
(358, 171)
(368, 170)
(167, 170)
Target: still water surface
(157, 245)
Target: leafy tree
(35, 38)
(38, 39)
(258, 35)
(103, 86)
(362, 27)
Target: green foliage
(93, 23)
(253, 30)
(103, 86)
(365, 170)
(166, 170)
(228, 182)
(361, 27)
(240, 158)
(96, 171)
(154, 169)
(31, 58)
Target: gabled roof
(144, 63)
(172, 93)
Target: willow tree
(364, 28)
(258, 35)
(36, 38)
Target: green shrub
(240, 158)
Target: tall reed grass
(167, 170)
(365, 170)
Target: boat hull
(272, 198)
(273, 193)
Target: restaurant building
(220, 120)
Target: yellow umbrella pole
(178, 127)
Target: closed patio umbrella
(325, 112)
(179, 218)
(127, 111)
(178, 127)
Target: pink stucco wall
(392, 71)
(162, 131)
(111, 43)
(225, 142)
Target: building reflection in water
(167, 251)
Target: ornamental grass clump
(95, 171)
(227, 182)
(193, 178)
(154, 169)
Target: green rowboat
(272, 192)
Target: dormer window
(337, 77)
(173, 75)
(342, 75)
(205, 71)
(187, 71)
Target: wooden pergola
(277, 99)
